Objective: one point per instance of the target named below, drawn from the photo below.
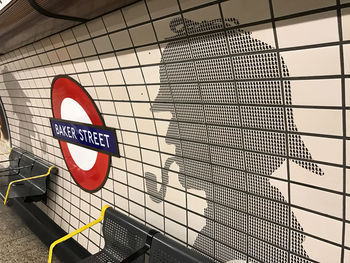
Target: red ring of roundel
(65, 87)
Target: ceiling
(21, 24)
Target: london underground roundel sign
(86, 143)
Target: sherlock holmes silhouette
(229, 119)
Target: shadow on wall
(20, 107)
(228, 125)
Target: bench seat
(128, 241)
(26, 176)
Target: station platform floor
(17, 242)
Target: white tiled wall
(290, 213)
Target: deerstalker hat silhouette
(227, 79)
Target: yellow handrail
(25, 179)
(68, 236)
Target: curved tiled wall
(232, 119)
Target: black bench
(127, 240)
(26, 176)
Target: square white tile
(137, 93)
(150, 157)
(114, 21)
(56, 41)
(114, 77)
(320, 121)
(109, 61)
(246, 11)
(149, 54)
(321, 251)
(133, 76)
(144, 125)
(123, 108)
(142, 35)
(103, 93)
(80, 65)
(107, 107)
(308, 30)
(159, 8)
(151, 74)
(93, 63)
(316, 200)
(80, 32)
(87, 48)
(203, 14)
(154, 218)
(119, 93)
(282, 8)
(103, 44)
(332, 178)
(121, 40)
(62, 54)
(175, 230)
(136, 13)
(316, 146)
(313, 62)
(52, 57)
(325, 92)
(46, 43)
(175, 213)
(85, 80)
(74, 51)
(127, 58)
(137, 210)
(98, 78)
(162, 28)
(96, 27)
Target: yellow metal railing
(25, 179)
(68, 236)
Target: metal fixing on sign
(86, 143)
